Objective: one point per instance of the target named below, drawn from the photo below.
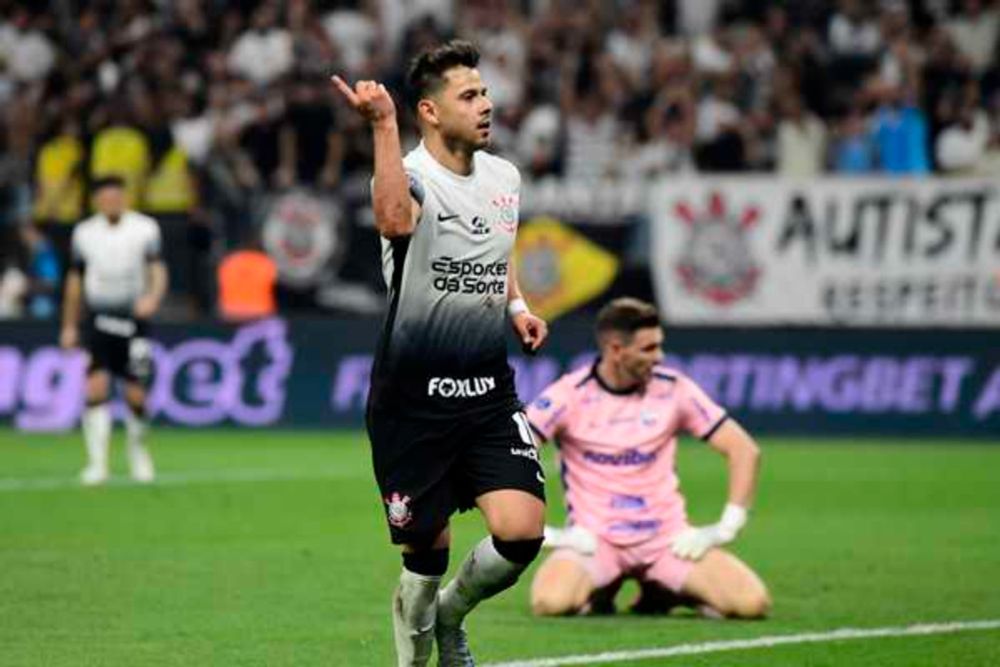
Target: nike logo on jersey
(445, 218)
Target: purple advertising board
(315, 373)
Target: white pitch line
(759, 642)
(10, 484)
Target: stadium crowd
(206, 107)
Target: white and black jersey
(113, 259)
(443, 347)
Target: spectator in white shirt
(975, 32)
(801, 148)
(28, 53)
(355, 35)
(593, 133)
(989, 161)
(961, 145)
(263, 53)
(669, 126)
(630, 45)
(852, 32)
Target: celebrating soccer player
(117, 266)
(445, 424)
(616, 424)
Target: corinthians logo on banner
(716, 263)
(301, 234)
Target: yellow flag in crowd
(560, 269)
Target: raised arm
(396, 212)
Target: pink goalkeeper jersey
(618, 449)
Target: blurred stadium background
(808, 190)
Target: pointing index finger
(345, 89)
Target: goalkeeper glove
(577, 538)
(692, 543)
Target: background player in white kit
(616, 424)
(117, 272)
(445, 424)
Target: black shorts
(119, 345)
(428, 468)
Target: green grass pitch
(269, 548)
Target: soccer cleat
(602, 600)
(706, 611)
(93, 476)
(655, 599)
(140, 463)
(141, 467)
(144, 475)
(453, 646)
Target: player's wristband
(732, 521)
(516, 307)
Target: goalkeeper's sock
(414, 606)
(491, 567)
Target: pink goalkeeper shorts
(648, 561)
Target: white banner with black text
(836, 251)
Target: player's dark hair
(626, 315)
(109, 181)
(426, 73)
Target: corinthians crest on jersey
(397, 507)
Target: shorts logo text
(526, 452)
(115, 326)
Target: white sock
(483, 574)
(414, 608)
(139, 459)
(97, 435)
